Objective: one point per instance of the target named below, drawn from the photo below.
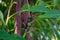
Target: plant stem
(11, 4)
(37, 2)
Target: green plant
(44, 23)
(5, 36)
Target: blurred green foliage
(45, 24)
(5, 36)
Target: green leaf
(33, 8)
(24, 7)
(41, 3)
(48, 22)
(1, 17)
(57, 34)
(51, 14)
(55, 2)
(5, 36)
(37, 22)
(38, 9)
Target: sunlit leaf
(1, 17)
(57, 34)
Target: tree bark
(17, 18)
(25, 15)
(25, 19)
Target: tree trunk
(25, 19)
(17, 18)
(25, 15)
